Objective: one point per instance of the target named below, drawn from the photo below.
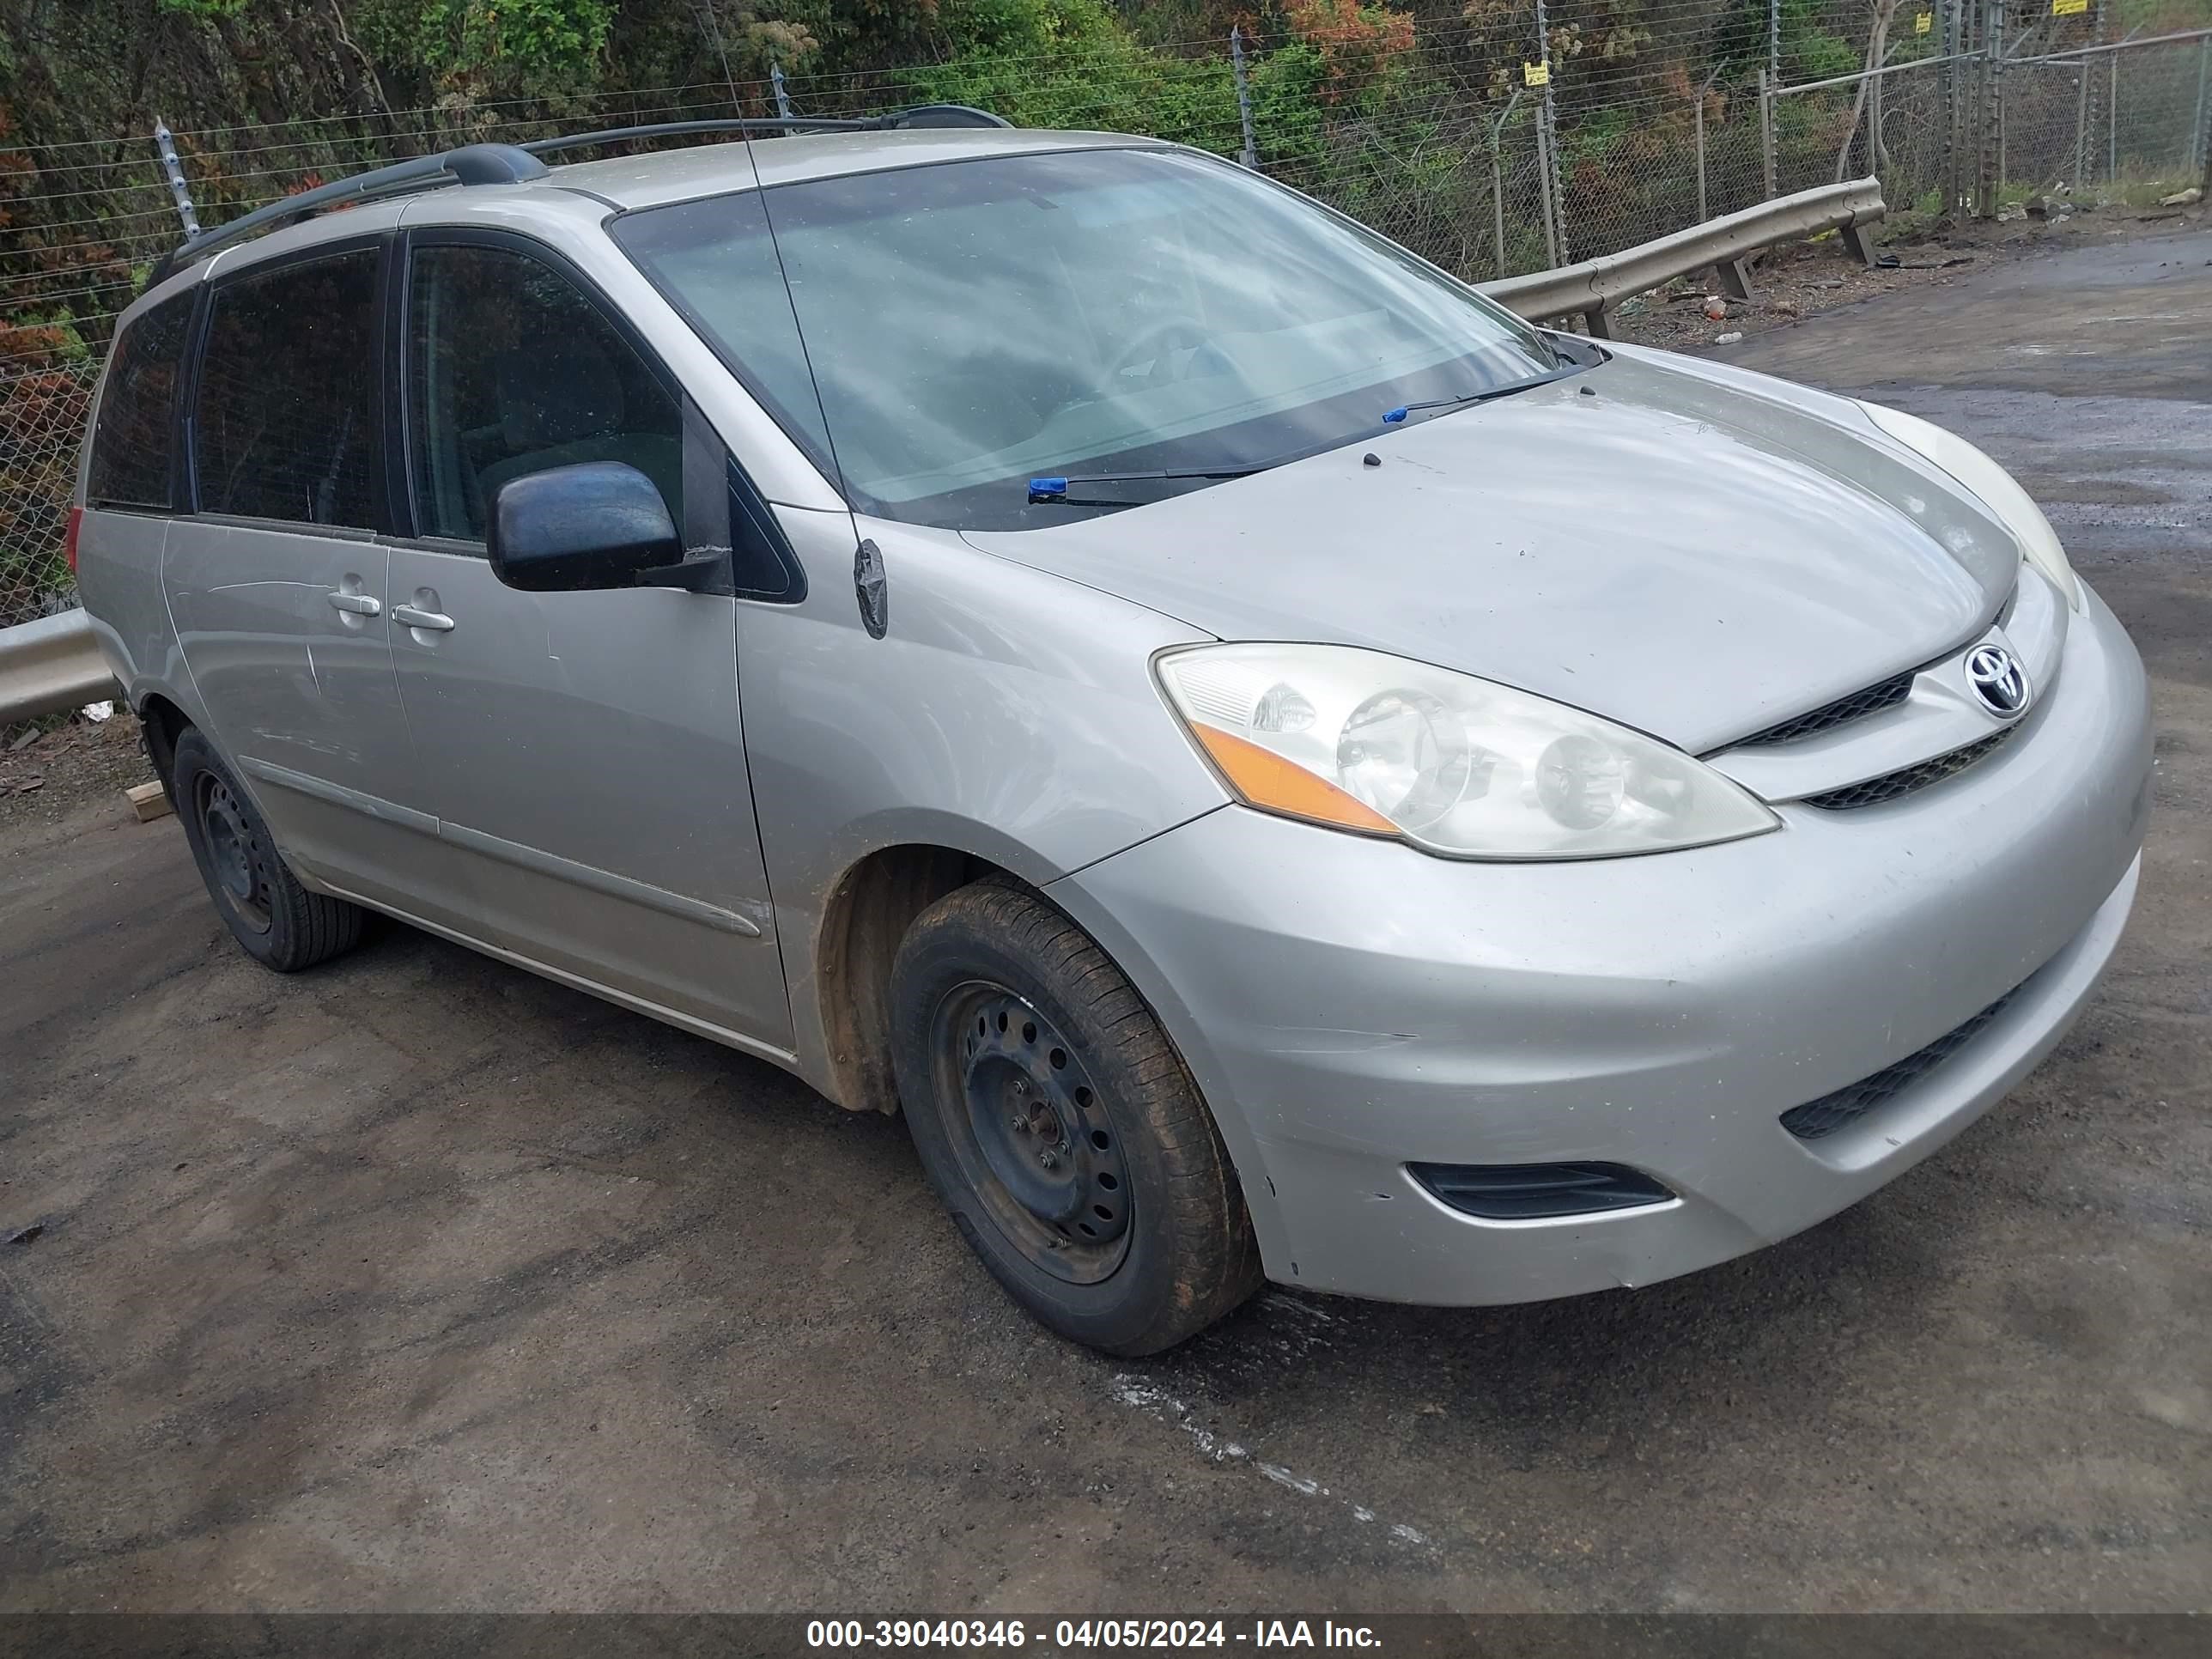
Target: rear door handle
(356, 605)
(435, 622)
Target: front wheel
(1058, 1124)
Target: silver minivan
(1280, 770)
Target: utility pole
(1547, 147)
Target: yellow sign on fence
(2068, 8)
(1539, 74)
(1924, 22)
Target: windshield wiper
(1393, 417)
(1053, 491)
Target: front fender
(1007, 714)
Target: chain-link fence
(1517, 134)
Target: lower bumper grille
(1528, 1191)
(1816, 1119)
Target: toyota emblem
(1997, 679)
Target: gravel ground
(1803, 279)
(50, 770)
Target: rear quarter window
(285, 417)
(131, 447)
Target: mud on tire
(1061, 1128)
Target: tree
(1868, 97)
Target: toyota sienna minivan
(1279, 768)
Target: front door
(581, 752)
(277, 582)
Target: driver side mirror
(594, 524)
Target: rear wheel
(280, 923)
(1061, 1128)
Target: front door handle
(435, 622)
(356, 604)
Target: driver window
(511, 370)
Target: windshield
(971, 325)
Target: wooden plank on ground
(148, 801)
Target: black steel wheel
(1059, 1125)
(242, 862)
(279, 922)
(1034, 1139)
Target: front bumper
(1349, 1006)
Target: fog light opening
(1534, 1192)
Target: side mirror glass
(597, 524)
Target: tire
(279, 923)
(1058, 1124)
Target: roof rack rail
(922, 115)
(509, 164)
(471, 164)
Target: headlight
(1363, 741)
(1990, 484)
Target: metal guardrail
(50, 665)
(1591, 289)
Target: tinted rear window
(284, 422)
(130, 444)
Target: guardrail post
(1250, 155)
(172, 167)
(1735, 278)
(1767, 131)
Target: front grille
(1527, 1192)
(1816, 1119)
(1891, 785)
(1870, 700)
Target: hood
(1695, 553)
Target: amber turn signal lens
(1267, 780)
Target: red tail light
(68, 536)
